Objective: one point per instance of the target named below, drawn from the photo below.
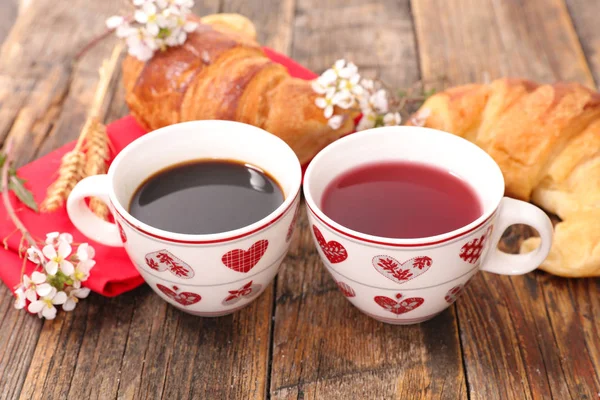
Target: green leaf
(402, 93)
(17, 186)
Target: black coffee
(206, 196)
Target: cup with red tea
(404, 217)
(204, 209)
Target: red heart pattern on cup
(334, 251)
(165, 260)
(471, 252)
(183, 298)
(292, 226)
(346, 289)
(399, 305)
(399, 272)
(244, 260)
(453, 294)
(249, 290)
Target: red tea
(401, 200)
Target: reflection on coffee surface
(205, 197)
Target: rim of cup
(227, 126)
(375, 134)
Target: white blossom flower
(35, 255)
(335, 122)
(81, 272)
(392, 119)
(379, 101)
(420, 117)
(156, 24)
(73, 298)
(368, 85)
(351, 85)
(343, 69)
(55, 238)
(85, 252)
(114, 22)
(367, 121)
(326, 103)
(36, 285)
(58, 258)
(20, 300)
(45, 304)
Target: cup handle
(84, 219)
(518, 212)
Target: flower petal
(36, 306)
(328, 111)
(140, 16)
(152, 29)
(149, 8)
(321, 102)
(67, 237)
(335, 122)
(64, 249)
(69, 305)
(43, 290)
(67, 267)
(49, 312)
(31, 295)
(38, 277)
(51, 267)
(81, 293)
(190, 26)
(59, 298)
(49, 251)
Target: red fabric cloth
(114, 273)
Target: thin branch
(5, 198)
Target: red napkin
(114, 273)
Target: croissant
(546, 140)
(221, 72)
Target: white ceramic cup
(405, 281)
(206, 275)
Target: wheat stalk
(97, 152)
(91, 151)
(69, 173)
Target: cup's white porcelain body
(206, 275)
(404, 281)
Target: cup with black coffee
(204, 209)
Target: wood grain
(514, 345)
(584, 16)
(273, 20)
(10, 9)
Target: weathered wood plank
(273, 20)
(171, 354)
(584, 14)
(9, 8)
(517, 343)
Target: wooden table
(534, 336)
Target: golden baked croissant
(546, 140)
(221, 72)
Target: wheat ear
(97, 153)
(91, 151)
